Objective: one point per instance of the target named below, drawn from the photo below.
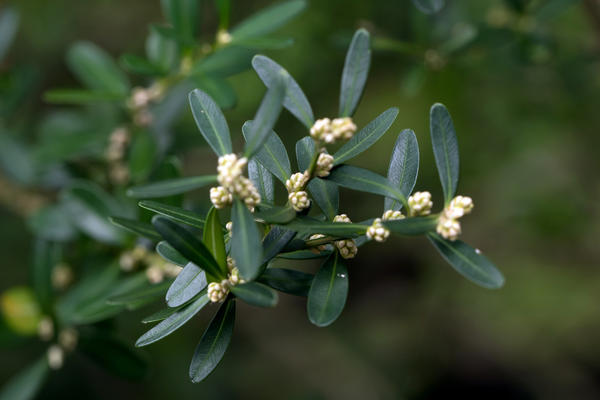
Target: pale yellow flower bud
(297, 181)
(45, 328)
(448, 228)
(342, 218)
(347, 248)
(420, 204)
(68, 339)
(299, 200)
(220, 197)
(55, 356)
(324, 165)
(343, 128)
(391, 215)
(377, 231)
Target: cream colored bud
(45, 328)
(391, 215)
(420, 204)
(68, 339)
(324, 165)
(155, 274)
(119, 173)
(448, 228)
(377, 231)
(299, 200)
(347, 248)
(343, 128)
(62, 276)
(223, 37)
(321, 247)
(55, 356)
(297, 181)
(217, 292)
(140, 98)
(342, 218)
(220, 197)
(143, 117)
(459, 206)
(321, 129)
(230, 168)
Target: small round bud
(220, 197)
(459, 206)
(343, 128)
(140, 98)
(62, 276)
(321, 129)
(448, 228)
(55, 356)
(217, 291)
(127, 262)
(155, 274)
(119, 173)
(223, 37)
(297, 181)
(230, 168)
(342, 218)
(420, 204)
(347, 248)
(324, 165)
(377, 231)
(143, 117)
(391, 215)
(321, 247)
(245, 189)
(45, 328)
(299, 200)
(68, 339)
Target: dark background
(525, 105)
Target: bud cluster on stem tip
(218, 291)
(299, 200)
(232, 182)
(324, 165)
(377, 231)
(297, 181)
(420, 204)
(346, 247)
(391, 215)
(321, 247)
(448, 225)
(328, 131)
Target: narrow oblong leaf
(412, 226)
(265, 117)
(364, 180)
(276, 214)
(139, 228)
(79, 96)
(326, 195)
(246, 248)
(268, 19)
(214, 342)
(210, 122)
(304, 255)
(170, 187)
(190, 281)
(183, 16)
(295, 101)
(160, 315)
(9, 25)
(167, 252)
(272, 155)
(26, 384)
(191, 248)
(468, 262)
(277, 238)
(445, 149)
(305, 150)
(140, 65)
(175, 213)
(366, 137)
(213, 238)
(144, 293)
(404, 167)
(256, 294)
(356, 69)
(287, 280)
(173, 322)
(328, 292)
(46, 255)
(309, 225)
(262, 179)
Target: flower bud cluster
(140, 100)
(62, 276)
(420, 204)
(157, 269)
(118, 143)
(232, 182)
(324, 165)
(330, 131)
(448, 225)
(346, 247)
(391, 215)
(67, 342)
(321, 247)
(218, 291)
(297, 196)
(377, 231)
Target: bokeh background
(524, 97)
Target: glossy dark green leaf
(276, 214)
(213, 238)
(190, 281)
(277, 238)
(143, 229)
(52, 223)
(445, 149)
(468, 262)
(142, 156)
(46, 255)
(305, 150)
(246, 248)
(295, 101)
(144, 294)
(326, 194)
(161, 315)
(366, 137)
(268, 19)
(311, 226)
(167, 252)
(96, 69)
(183, 16)
(188, 246)
(139, 65)
(178, 214)
(256, 294)
(429, 6)
(170, 187)
(412, 226)
(287, 280)
(27, 383)
(404, 167)
(356, 69)
(214, 342)
(304, 255)
(272, 155)
(79, 96)
(211, 122)
(113, 355)
(262, 179)
(328, 292)
(173, 322)
(266, 116)
(364, 180)
(9, 24)
(219, 89)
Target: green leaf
(223, 7)
(265, 43)
(404, 167)
(143, 294)
(412, 226)
(79, 96)
(113, 355)
(213, 239)
(287, 280)
(272, 155)
(303, 255)
(183, 16)
(190, 281)
(167, 252)
(161, 315)
(311, 226)
(277, 238)
(191, 248)
(96, 69)
(140, 65)
(142, 156)
(214, 342)
(210, 122)
(275, 214)
(445, 149)
(46, 255)
(326, 195)
(246, 247)
(328, 292)
(161, 51)
(256, 294)
(366, 137)
(175, 213)
(265, 117)
(27, 383)
(268, 19)
(219, 89)
(295, 101)
(429, 6)
(9, 25)
(173, 322)
(143, 229)
(305, 150)
(364, 180)
(170, 187)
(262, 179)
(52, 223)
(468, 262)
(356, 69)
(225, 62)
